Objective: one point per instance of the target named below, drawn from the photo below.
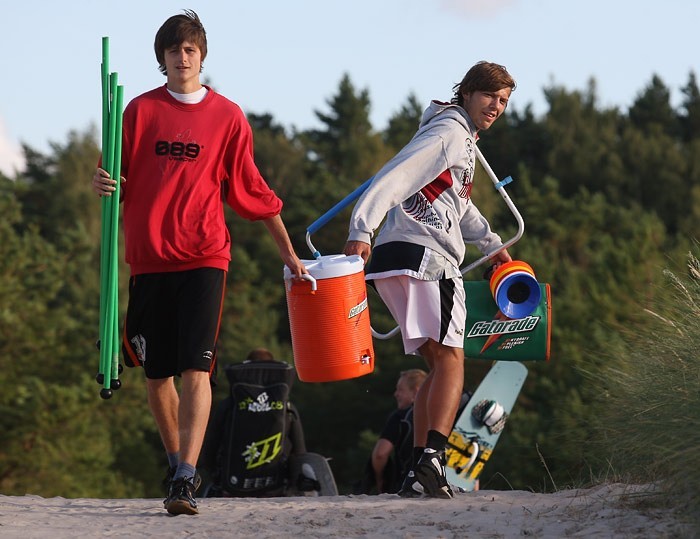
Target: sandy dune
(604, 511)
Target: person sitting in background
(397, 435)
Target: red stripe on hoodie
(440, 184)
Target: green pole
(105, 91)
(112, 105)
(114, 250)
(110, 314)
(106, 227)
(104, 71)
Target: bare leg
(164, 403)
(446, 381)
(420, 409)
(195, 405)
(437, 407)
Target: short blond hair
(414, 378)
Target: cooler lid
(329, 266)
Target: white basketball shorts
(425, 309)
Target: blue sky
(286, 57)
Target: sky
(287, 57)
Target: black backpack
(253, 448)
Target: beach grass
(650, 398)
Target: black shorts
(172, 321)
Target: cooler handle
(304, 276)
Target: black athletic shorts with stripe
(172, 321)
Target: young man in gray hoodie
(424, 193)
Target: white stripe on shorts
(425, 309)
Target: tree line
(610, 199)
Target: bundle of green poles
(109, 342)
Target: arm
(279, 233)
(380, 456)
(414, 167)
(358, 248)
(501, 258)
(245, 189)
(477, 231)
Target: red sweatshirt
(180, 161)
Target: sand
(614, 511)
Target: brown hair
(177, 29)
(414, 378)
(482, 77)
(260, 354)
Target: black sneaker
(411, 488)
(430, 472)
(169, 479)
(180, 500)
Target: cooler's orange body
(330, 326)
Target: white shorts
(426, 309)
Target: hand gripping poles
(108, 344)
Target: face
(484, 108)
(183, 63)
(404, 395)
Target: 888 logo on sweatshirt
(179, 151)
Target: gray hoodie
(425, 189)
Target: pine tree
(690, 117)
(653, 106)
(404, 124)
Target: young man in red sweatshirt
(185, 150)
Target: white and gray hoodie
(425, 189)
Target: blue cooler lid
(329, 266)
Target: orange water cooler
(329, 320)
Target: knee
(437, 353)
(157, 384)
(195, 378)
